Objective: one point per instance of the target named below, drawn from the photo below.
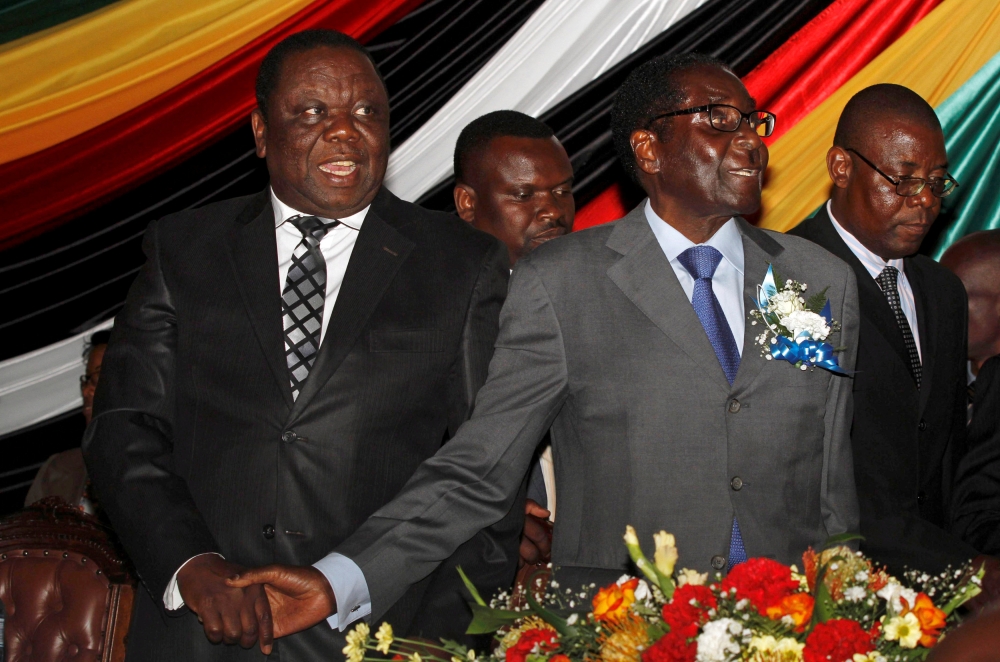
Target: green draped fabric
(19, 18)
(971, 121)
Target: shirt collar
(873, 263)
(283, 212)
(727, 239)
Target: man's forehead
(330, 66)
(708, 84)
(905, 142)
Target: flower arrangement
(795, 328)
(840, 608)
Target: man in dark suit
(889, 170)
(283, 364)
(514, 180)
(976, 505)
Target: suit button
(734, 406)
(921, 498)
(736, 483)
(922, 425)
(288, 436)
(268, 531)
(718, 562)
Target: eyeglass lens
(909, 186)
(727, 118)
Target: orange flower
(797, 605)
(810, 561)
(612, 602)
(559, 657)
(932, 620)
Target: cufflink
(356, 607)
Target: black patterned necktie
(887, 281)
(302, 300)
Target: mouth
(341, 168)
(746, 172)
(551, 233)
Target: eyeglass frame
(895, 183)
(707, 108)
(88, 379)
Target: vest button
(734, 406)
(268, 531)
(922, 425)
(718, 562)
(736, 483)
(288, 436)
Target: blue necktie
(701, 262)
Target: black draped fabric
(77, 275)
(741, 33)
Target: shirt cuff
(349, 588)
(172, 599)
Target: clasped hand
(240, 606)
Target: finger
(528, 552)
(532, 508)
(252, 576)
(212, 622)
(265, 624)
(248, 622)
(534, 530)
(232, 631)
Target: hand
(991, 583)
(300, 597)
(233, 615)
(536, 539)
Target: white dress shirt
(345, 577)
(727, 282)
(874, 265)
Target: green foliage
(816, 302)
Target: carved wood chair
(66, 586)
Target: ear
(259, 131)
(644, 147)
(839, 165)
(465, 202)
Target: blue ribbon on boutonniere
(801, 350)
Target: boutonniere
(795, 328)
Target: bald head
(873, 106)
(887, 133)
(976, 260)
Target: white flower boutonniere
(795, 328)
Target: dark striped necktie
(302, 300)
(887, 281)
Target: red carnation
(679, 645)
(680, 612)
(837, 639)
(763, 582)
(545, 639)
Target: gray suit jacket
(599, 342)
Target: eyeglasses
(911, 186)
(90, 379)
(728, 118)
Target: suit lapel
(874, 306)
(645, 276)
(759, 251)
(379, 252)
(254, 258)
(927, 324)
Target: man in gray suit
(632, 342)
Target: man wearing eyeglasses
(632, 342)
(889, 170)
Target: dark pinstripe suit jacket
(190, 449)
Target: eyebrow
(911, 164)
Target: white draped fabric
(562, 47)
(44, 383)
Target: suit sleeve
(128, 446)
(474, 480)
(839, 500)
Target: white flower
(854, 594)
(384, 638)
(861, 576)
(784, 303)
(715, 643)
(904, 628)
(805, 325)
(892, 592)
(666, 552)
(642, 591)
(785, 649)
(874, 656)
(572, 619)
(693, 577)
(356, 640)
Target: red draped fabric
(804, 71)
(43, 190)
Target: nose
(925, 198)
(747, 137)
(341, 128)
(550, 210)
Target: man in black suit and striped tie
(890, 171)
